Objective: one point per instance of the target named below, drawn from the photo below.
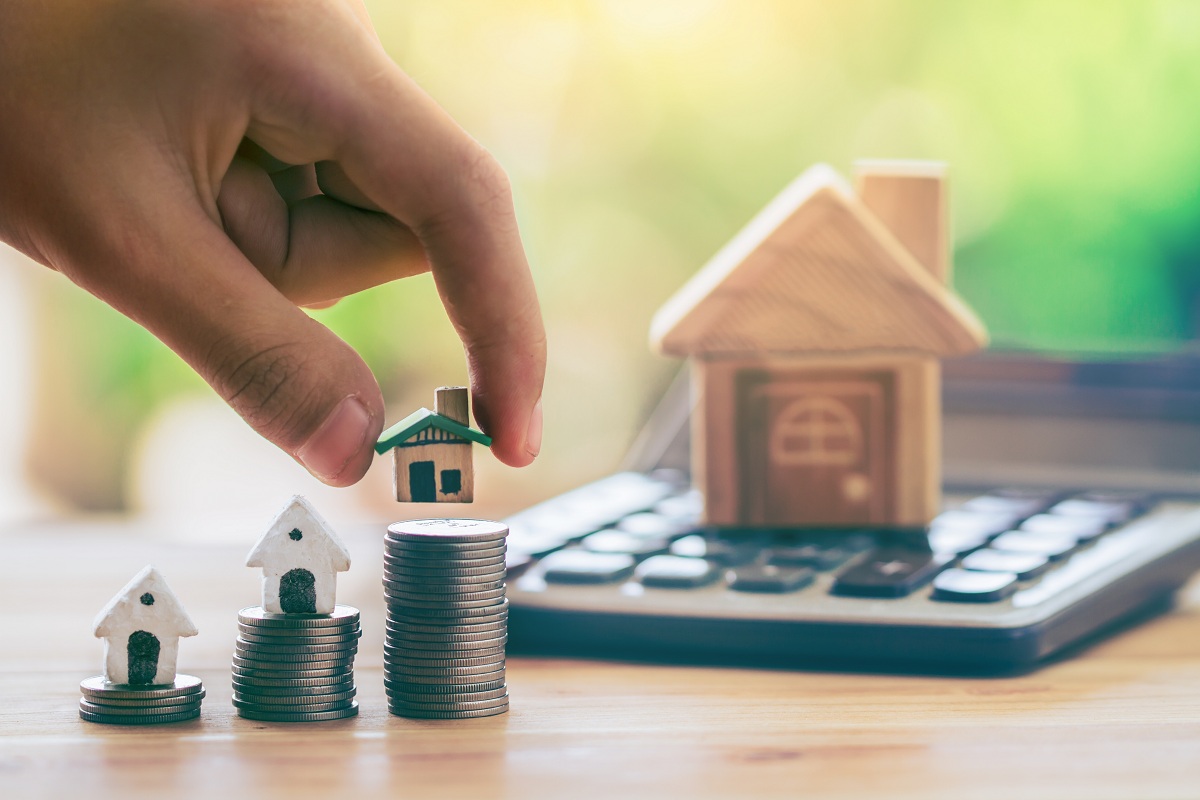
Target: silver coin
(294, 668)
(145, 702)
(393, 541)
(483, 611)
(293, 683)
(405, 551)
(401, 711)
(120, 711)
(417, 698)
(258, 690)
(447, 574)
(447, 622)
(256, 616)
(251, 671)
(98, 687)
(455, 705)
(444, 690)
(405, 635)
(264, 653)
(145, 719)
(453, 605)
(426, 560)
(391, 681)
(406, 671)
(276, 640)
(265, 701)
(297, 649)
(423, 645)
(447, 530)
(423, 590)
(402, 655)
(321, 716)
(406, 628)
(400, 663)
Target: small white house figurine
(141, 627)
(300, 557)
(432, 460)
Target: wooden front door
(422, 484)
(816, 448)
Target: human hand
(208, 167)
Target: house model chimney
(451, 402)
(909, 197)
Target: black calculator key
(889, 572)
(651, 525)
(614, 541)
(674, 572)
(769, 578)
(580, 566)
(1081, 529)
(965, 586)
(1114, 513)
(809, 555)
(719, 551)
(1052, 547)
(1024, 565)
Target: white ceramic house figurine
(141, 627)
(300, 557)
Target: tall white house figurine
(141, 627)
(300, 557)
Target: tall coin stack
(123, 704)
(296, 667)
(447, 618)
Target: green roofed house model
(432, 451)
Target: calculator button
(1024, 565)
(952, 542)
(985, 523)
(1047, 496)
(614, 541)
(673, 572)
(809, 555)
(889, 572)
(768, 578)
(1081, 529)
(1052, 547)
(717, 550)
(964, 586)
(649, 524)
(580, 566)
(1018, 506)
(1113, 513)
(686, 508)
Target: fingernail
(339, 439)
(533, 437)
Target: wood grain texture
(909, 198)
(1119, 720)
(815, 272)
(446, 453)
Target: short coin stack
(295, 667)
(447, 618)
(125, 704)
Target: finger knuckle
(263, 385)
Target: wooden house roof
(423, 419)
(815, 272)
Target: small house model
(141, 627)
(300, 557)
(814, 339)
(432, 451)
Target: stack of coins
(130, 704)
(447, 618)
(295, 667)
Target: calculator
(1072, 507)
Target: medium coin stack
(447, 618)
(296, 667)
(129, 704)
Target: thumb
(288, 376)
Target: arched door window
(816, 431)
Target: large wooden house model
(815, 337)
(432, 451)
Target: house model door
(815, 448)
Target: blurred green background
(641, 134)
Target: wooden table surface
(1120, 719)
